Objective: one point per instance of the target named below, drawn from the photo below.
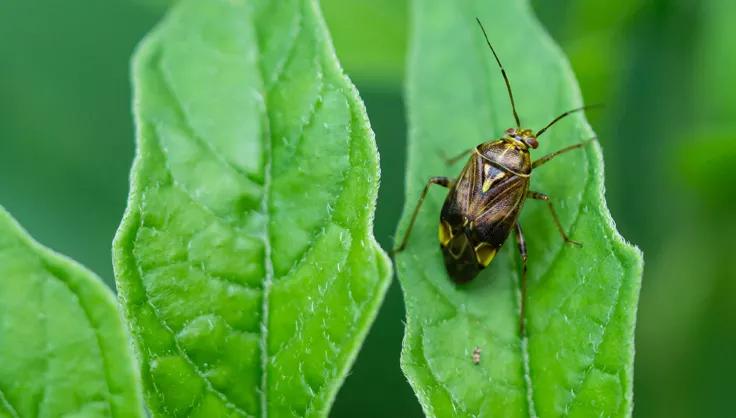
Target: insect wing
(496, 210)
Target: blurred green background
(665, 69)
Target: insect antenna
(503, 73)
(557, 119)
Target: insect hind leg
(440, 181)
(523, 254)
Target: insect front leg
(550, 156)
(522, 252)
(441, 181)
(542, 196)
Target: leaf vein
(58, 275)
(179, 108)
(596, 350)
(182, 353)
(7, 405)
(280, 68)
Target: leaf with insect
(245, 261)
(578, 357)
(63, 348)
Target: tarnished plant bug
(484, 202)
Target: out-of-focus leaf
(63, 348)
(578, 358)
(704, 160)
(707, 169)
(245, 261)
(370, 38)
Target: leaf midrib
(266, 84)
(524, 340)
(265, 208)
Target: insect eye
(510, 131)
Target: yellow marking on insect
(445, 233)
(484, 253)
(487, 169)
(488, 182)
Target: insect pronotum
(484, 202)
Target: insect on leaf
(63, 348)
(578, 357)
(246, 261)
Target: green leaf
(63, 348)
(578, 357)
(245, 260)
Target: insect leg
(542, 196)
(548, 157)
(522, 252)
(456, 158)
(441, 181)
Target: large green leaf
(578, 357)
(245, 261)
(63, 348)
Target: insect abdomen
(479, 213)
